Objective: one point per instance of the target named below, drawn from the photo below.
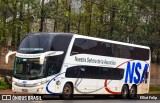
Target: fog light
(58, 82)
(39, 89)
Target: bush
(4, 85)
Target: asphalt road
(85, 101)
(89, 99)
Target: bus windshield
(28, 69)
(32, 44)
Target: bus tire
(67, 92)
(133, 91)
(125, 92)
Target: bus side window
(49, 69)
(73, 72)
(116, 50)
(79, 46)
(108, 49)
(52, 68)
(82, 72)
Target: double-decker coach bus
(67, 64)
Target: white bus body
(88, 65)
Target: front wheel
(67, 91)
(125, 92)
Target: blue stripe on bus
(50, 82)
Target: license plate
(24, 90)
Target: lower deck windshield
(30, 69)
(27, 69)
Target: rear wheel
(67, 91)
(133, 92)
(125, 92)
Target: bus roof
(92, 38)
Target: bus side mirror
(49, 53)
(8, 55)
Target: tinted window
(35, 44)
(60, 42)
(39, 43)
(116, 50)
(80, 46)
(109, 49)
(86, 46)
(111, 73)
(95, 72)
(122, 51)
(54, 64)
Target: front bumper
(41, 89)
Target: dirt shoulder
(10, 92)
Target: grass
(154, 90)
(4, 85)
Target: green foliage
(154, 88)
(4, 85)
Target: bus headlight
(58, 82)
(13, 82)
(37, 84)
(40, 83)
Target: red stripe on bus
(105, 83)
(108, 90)
(124, 63)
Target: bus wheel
(133, 92)
(125, 92)
(67, 91)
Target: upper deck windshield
(32, 44)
